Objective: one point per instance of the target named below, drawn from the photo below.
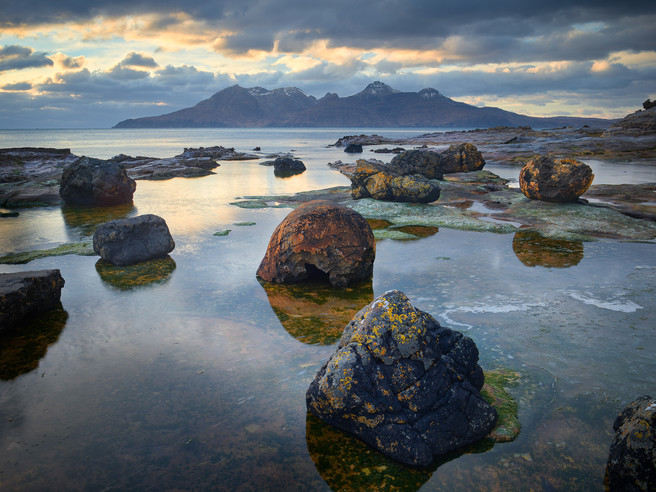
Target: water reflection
(151, 272)
(346, 463)
(21, 351)
(533, 249)
(85, 220)
(316, 313)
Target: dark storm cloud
(18, 57)
(20, 86)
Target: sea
(190, 374)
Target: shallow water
(192, 375)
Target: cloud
(19, 57)
(134, 59)
(19, 86)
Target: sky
(91, 63)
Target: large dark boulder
(403, 384)
(424, 162)
(286, 166)
(462, 158)
(632, 457)
(128, 241)
(320, 240)
(96, 182)
(26, 293)
(554, 180)
(353, 148)
(378, 181)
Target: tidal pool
(190, 374)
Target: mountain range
(378, 105)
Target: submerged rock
(632, 458)
(320, 240)
(555, 180)
(96, 182)
(403, 384)
(27, 293)
(378, 181)
(128, 241)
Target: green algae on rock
(138, 275)
(495, 392)
(222, 233)
(80, 249)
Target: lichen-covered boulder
(96, 182)
(632, 458)
(424, 162)
(26, 293)
(378, 181)
(462, 158)
(125, 242)
(286, 166)
(554, 180)
(320, 240)
(403, 384)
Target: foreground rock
(26, 293)
(462, 158)
(403, 384)
(320, 240)
(632, 458)
(554, 180)
(378, 181)
(96, 182)
(286, 166)
(128, 241)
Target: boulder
(554, 180)
(286, 166)
(378, 181)
(403, 384)
(462, 158)
(632, 458)
(27, 293)
(424, 162)
(96, 182)
(128, 241)
(353, 148)
(317, 241)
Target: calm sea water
(192, 375)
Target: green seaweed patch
(222, 233)
(243, 224)
(496, 394)
(80, 249)
(151, 272)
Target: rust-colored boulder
(320, 240)
(554, 180)
(462, 158)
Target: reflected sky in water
(190, 380)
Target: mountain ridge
(377, 105)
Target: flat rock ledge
(403, 384)
(125, 242)
(27, 293)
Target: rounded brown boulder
(320, 240)
(554, 180)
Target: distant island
(378, 105)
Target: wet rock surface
(378, 181)
(27, 293)
(424, 162)
(96, 182)
(319, 240)
(632, 457)
(403, 384)
(286, 166)
(554, 180)
(125, 242)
